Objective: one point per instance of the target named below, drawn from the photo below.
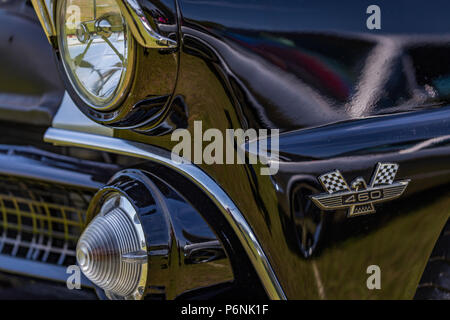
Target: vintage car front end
(210, 150)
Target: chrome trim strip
(196, 175)
(69, 117)
(40, 170)
(38, 269)
(44, 11)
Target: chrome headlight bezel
(144, 101)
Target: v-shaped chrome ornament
(359, 197)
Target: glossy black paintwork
(185, 254)
(403, 133)
(344, 97)
(323, 65)
(295, 65)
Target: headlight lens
(96, 50)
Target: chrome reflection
(143, 31)
(203, 252)
(96, 50)
(230, 211)
(307, 219)
(44, 12)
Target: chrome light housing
(112, 251)
(146, 241)
(96, 49)
(112, 55)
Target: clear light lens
(96, 49)
(112, 253)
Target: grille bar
(37, 269)
(41, 221)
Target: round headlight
(97, 50)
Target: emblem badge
(358, 197)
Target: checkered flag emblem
(334, 182)
(384, 174)
(360, 198)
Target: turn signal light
(112, 251)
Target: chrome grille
(41, 221)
